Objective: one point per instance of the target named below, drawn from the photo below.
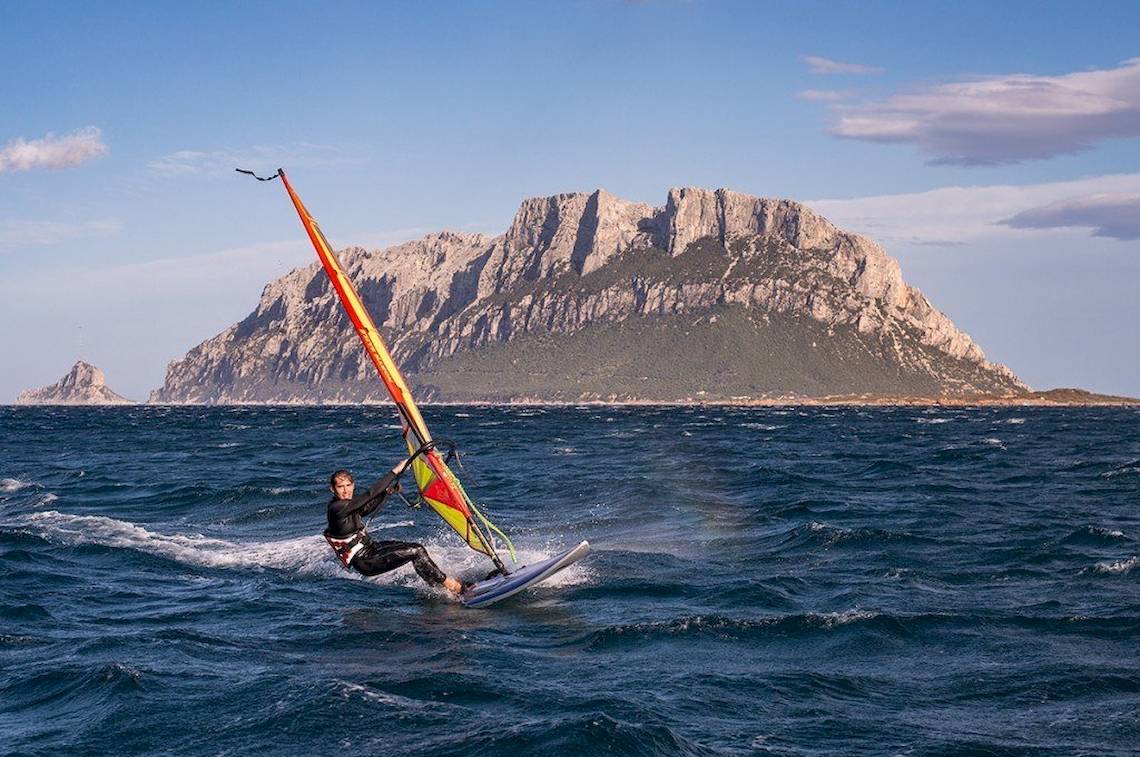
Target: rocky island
(84, 384)
(714, 296)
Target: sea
(776, 580)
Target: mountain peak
(84, 384)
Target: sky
(992, 148)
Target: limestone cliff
(84, 384)
(582, 297)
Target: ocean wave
(1117, 567)
(719, 627)
(13, 485)
(727, 628)
(595, 732)
(350, 690)
(88, 684)
(829, 536)
(307, 554)
(1095, 535)
(1128, 469)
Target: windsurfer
(348, 537)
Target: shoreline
(1050, 398)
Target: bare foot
(452, 585)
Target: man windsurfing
(353, 546)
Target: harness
(347, 548)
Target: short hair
(342, 473)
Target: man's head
(342, 485)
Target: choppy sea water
(789, 581)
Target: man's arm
(372, 500)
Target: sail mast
(438, 485)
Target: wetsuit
(358, 551)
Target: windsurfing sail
(439, 487)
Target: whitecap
(835, 619)
(347, 689)
(1118, 567)
(1123, 471)
(305, 554)
(13, 485)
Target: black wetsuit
(346, 518)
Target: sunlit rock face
(582, 298)
(84, 384)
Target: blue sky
(993, 148)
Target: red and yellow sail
(438, 486)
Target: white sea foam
(834, 619)
(46, 499)
(933, 420)
(308, 555)
(994, 442)
(347, 690)
(763, 426)
(13, 485)
(305, 554)
(1015, 421)
(1118, 567)
(454, 558)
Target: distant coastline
(1049, 398)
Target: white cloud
(17, 234)
(952, 216)
(262, 158)
(1004, 119)
(825, 95)
(818, 65)
(52, 151)
(1116, 216)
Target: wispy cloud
(1004, 119)
(825, 95)
(258, 157)
(818, 65)
(951, 216)
(17, 234)
(51, 151)
(1116, 216)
